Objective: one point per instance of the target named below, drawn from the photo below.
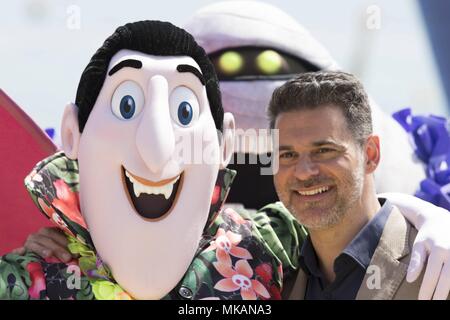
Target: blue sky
(41, 59)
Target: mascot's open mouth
(152, 200)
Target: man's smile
(152, 200)
(317, 193)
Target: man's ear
(372, 153)
(70, 133)
(227, 146)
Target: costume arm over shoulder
(431, 246)
(281, 232)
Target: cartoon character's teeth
(313, 192)
(165, 190)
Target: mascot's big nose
(155, 138)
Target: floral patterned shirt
(240, 256)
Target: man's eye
(323, 150)
(286, 155)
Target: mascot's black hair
(149, 37)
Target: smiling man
(358, 245)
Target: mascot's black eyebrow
(132, 63)
(191, 69)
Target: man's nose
(155, 138)
(305, 168)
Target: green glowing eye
(269, 62)
(230, 62)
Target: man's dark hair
(149, 37)
(315, 89)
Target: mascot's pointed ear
(227, 146)
(70, 132)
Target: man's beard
(348, 194)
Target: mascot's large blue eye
(127, 107)
(185, 113)
(127, 101)
(184, 106)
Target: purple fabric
(50, 132)
(430, 138)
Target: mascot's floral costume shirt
(239, 256)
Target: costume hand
(431, 246)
